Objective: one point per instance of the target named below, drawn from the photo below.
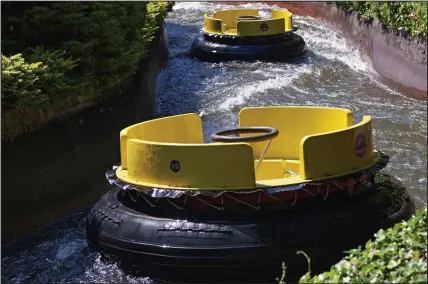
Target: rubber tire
(163, 248)
(206, 50)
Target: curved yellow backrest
(170, 152)
(261, 27)
(228, 17)
(212, 25)
(293, 123)
(185, 128)
(336, 152)
(212, 166)
(286, 15)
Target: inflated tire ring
(236, 39)
(211, 251)
(224, 48)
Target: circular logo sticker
(264, 27)
(175, 166)
(360, 145)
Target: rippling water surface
(331, 74)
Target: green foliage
(408, 16)
(77, 47)
(397, 255)
(21, 82)
(27, 84)
(284, 268)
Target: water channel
(330, 74)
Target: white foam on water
(68, 249)
(189, 5)
(280, 80)
(328, 43)
(319, 38)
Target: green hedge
(408, 16)
(30, 84)
(397, 255)
(54, 52)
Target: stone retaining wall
(400, 61)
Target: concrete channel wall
(400, 62)
(393, 55)
(60, 168)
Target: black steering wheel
(223, 136)
(247, 18)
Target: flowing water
(330, 74)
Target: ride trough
(242, 34)
(289, 178)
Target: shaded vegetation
(70, 54)
(408, 16)
(29, 84)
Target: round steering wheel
(247, 18)
(223, 136)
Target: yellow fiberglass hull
(247, 22)
(313, 144)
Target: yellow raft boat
(181, 209)
(247, 22)
(304, 145)
(242, 34)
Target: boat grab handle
(223, 136)
(269, 134)
(248, 18)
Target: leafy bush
(408, 16)
(29, 84)
(398, 254)
(107, 38)
(54, 51)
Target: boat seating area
(314, 143)
(247, 22)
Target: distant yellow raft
(247, 22)
(243, 34)
(306, 145)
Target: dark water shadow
(62, 244)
